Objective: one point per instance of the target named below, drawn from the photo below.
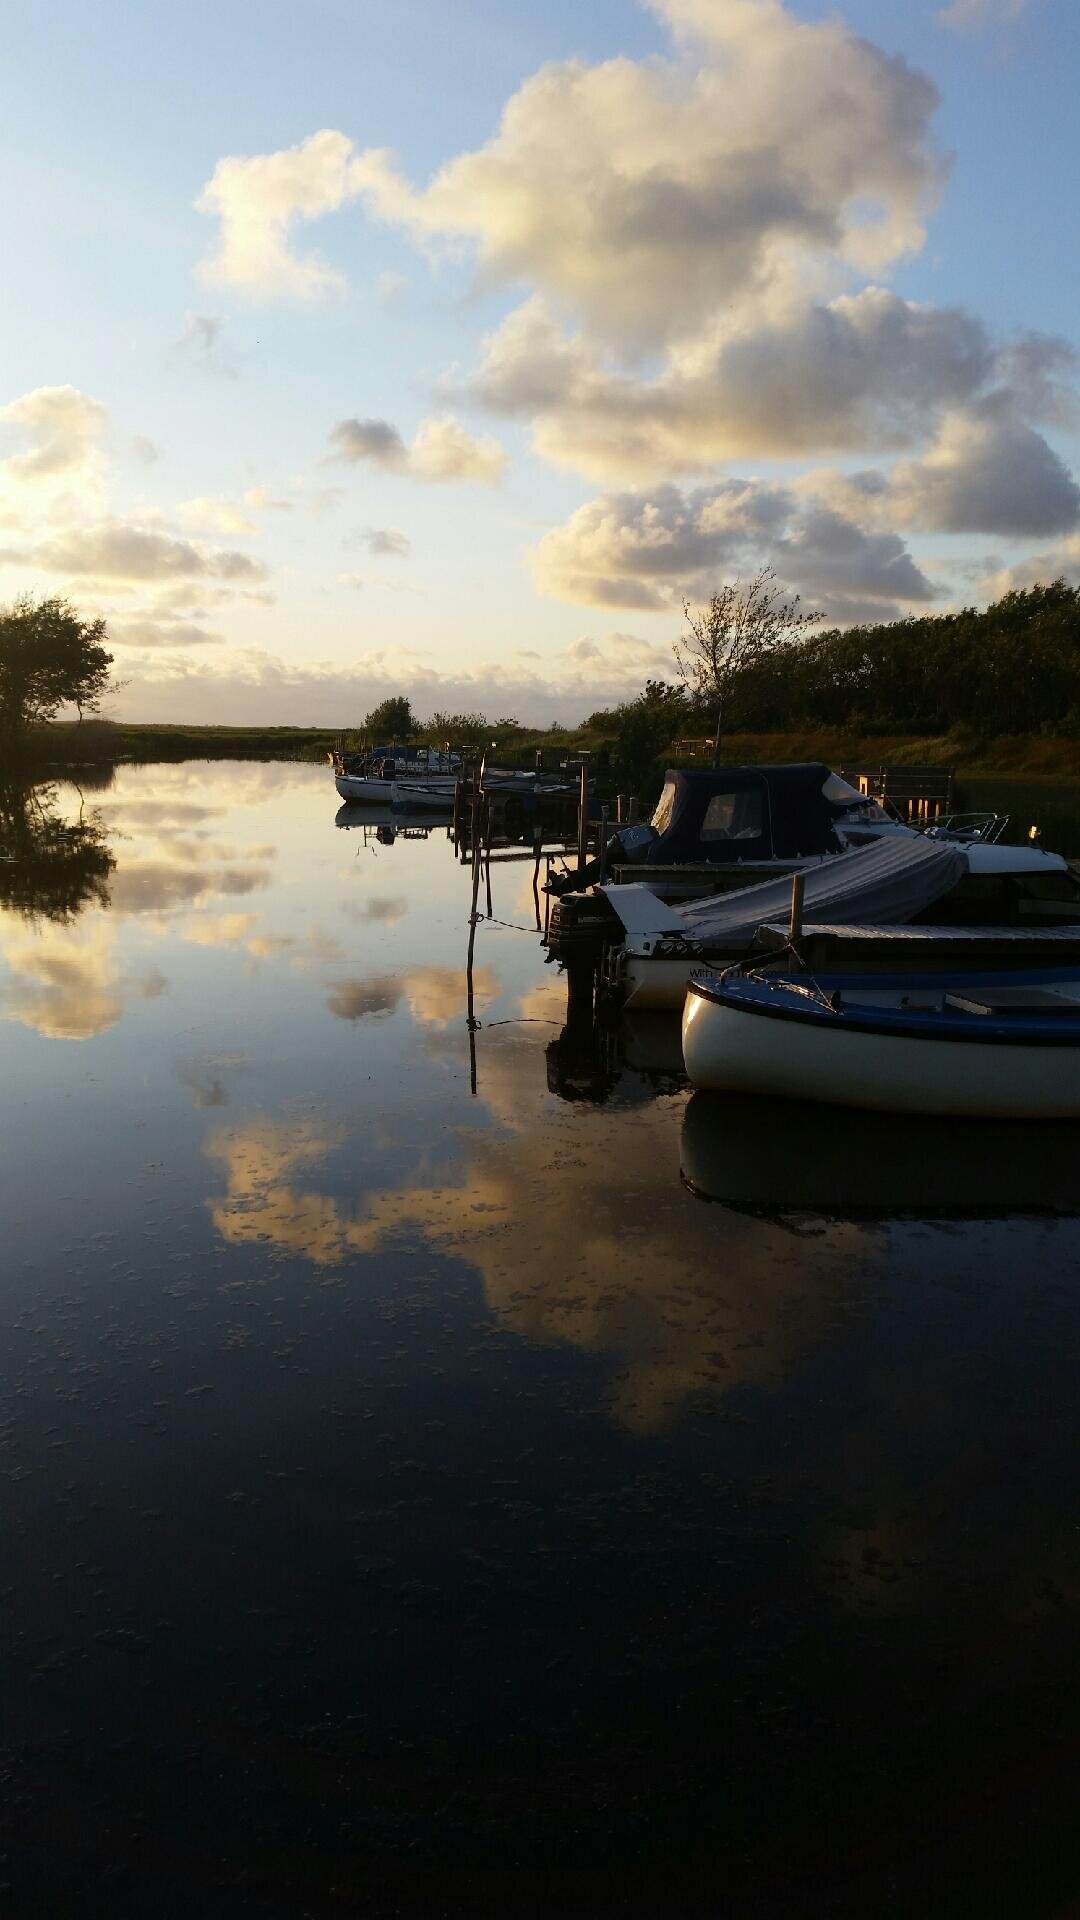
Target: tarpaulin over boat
(749, 813)
(885, 883)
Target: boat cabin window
(665, 808)
(734, 816)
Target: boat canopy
(750, 813)
(885, 883)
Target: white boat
(424, 796)
(1000, 1045)
(895, 879)
(371, 778)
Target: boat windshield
(665, 807)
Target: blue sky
(731, 290)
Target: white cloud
(986, 472)
(119, 551)
(645, 195)
(442, 450)
(161, 633)
(647, 550)
(868, 369)
(256, 687)
(259, 200)
(1038, 569)
(641, 195)
(64, 427)
(216, 514)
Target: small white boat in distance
(371, 778)
(997, 1045)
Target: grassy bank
(1022, 755)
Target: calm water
(575, 1497)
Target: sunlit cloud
(442, 450)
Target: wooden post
(583, 818)
(798, 881)
(632, 811)
(620, 809)
(603, 841)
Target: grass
(1023, 755)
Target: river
(565, 1494)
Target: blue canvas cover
(746, 813)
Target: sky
(357, 347)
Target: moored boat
(993, 1043)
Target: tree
(49, 658)
(393, 719)
(644, 729)
(738, 629)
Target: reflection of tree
(50, 867)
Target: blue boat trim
(776, 1000)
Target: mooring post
(603, 843)
(798, 881)
(583, 818)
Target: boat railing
(987, 827)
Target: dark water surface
(572, 1498)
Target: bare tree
(739, 626)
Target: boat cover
(887, 882)
(749, 813)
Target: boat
(729, 826)
(371, 776)
(996, 1042)
(435, 795)
(897, 881)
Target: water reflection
(780, 1158)
(51, 867)
(539, 1526)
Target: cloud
(201, 345)
(216, 514)
(64, 427)
(373, 440)
(986, 472)
(1038, 569)
(260, 199)
(160, 633)
(643, 196)
(869, 369)
(648, 550)
(386, 541)
(442, 450)
(118, 551)
(981, 13)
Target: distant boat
(371, 777)
(993, 1044)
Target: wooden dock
(915, 793)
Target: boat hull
(740, 1049)
(365, 787)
